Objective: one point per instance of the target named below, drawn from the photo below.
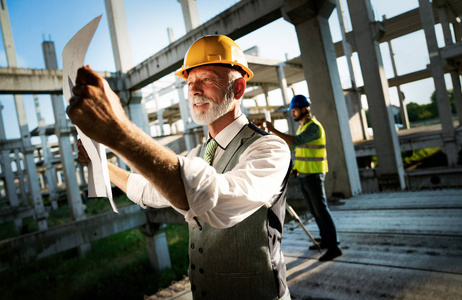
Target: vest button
(193, 267)
(200, 250)
(193, 287)
(203, 293)
(192, 246)
(201, 270)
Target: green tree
(434, 105)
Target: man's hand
(95, 108)
(269, 126)
(82, 154)
(294, 173)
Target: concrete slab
(401, 245)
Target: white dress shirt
(223, 200)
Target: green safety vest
(311, 157)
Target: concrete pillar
(457, 91)
(444, 21)
(390, 169)
(10, 188)
(328, 103)
(291, 124)
(40, 213)
(358, 122)
(403, 108)
(50, 170)
(437, 70)
(118, 29)
(138, 111)
(160, 120)
(283, 84)
(179, 84)
(79, 166)
(156, 242)
(63, 133)
(124, 61)
(457, 26)
(21, 177)
(190, 14)
(60, 177)
(185, 114)
(159, 111)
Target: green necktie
(210, 151)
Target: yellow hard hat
(214, 49)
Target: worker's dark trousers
(312, 187)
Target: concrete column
(40, 213)
(179, 83)
(124, 61)
(190, 14)
(356, 111)
(138, 111)
(50, 170)
(159, 111)
(59, 177)
(156, 242)
(8, 176)
(437, 70)
(63, 133)
(285, 99)
(457, 26)
(457, 91)
(160, 120)
(118, 29)
(403, 108)
(328, 103)
(390, 169)
(21, 177)
(185, 114)
(444, 21)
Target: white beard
(214, 112)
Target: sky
(33, 22)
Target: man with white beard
(231, 189)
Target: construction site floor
(398, 245)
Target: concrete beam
(10, 144)
(40, 244)
(30, 81)
(37, 81)
(8, 214)
(235, 22)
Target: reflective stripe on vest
(311, 157)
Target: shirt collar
(224, 137)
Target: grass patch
(116, 267)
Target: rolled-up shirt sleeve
(223, 200)
(143, 193)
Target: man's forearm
(118, 176)
(158, 164)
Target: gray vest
(244, 261)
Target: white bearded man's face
(210, 93)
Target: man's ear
(239, 88)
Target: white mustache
(201, 99)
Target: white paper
(74, 52)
